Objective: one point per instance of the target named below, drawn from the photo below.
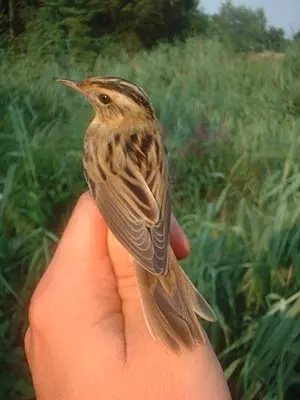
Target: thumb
(80, 273)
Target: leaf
(232, 368)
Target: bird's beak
(72, 84)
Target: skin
(87, 337)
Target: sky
(280, 13)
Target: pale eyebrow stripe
(128, 89)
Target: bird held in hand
(126, 168)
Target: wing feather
(137, 210)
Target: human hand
(87, 337)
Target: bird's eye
(104, 98)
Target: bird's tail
(171, 304)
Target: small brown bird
(126, 168)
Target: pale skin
(87, 337)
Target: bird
(125, 164)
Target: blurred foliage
(93, 26)
(245, 29)
(85, 24)
(232, 130)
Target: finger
(79, 289)
(179, 241)
(80, 267)
(85, 233)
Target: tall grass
(232, 128)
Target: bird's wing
(137, 210)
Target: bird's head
(113, 98)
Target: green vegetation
(96, 25)
(232, 130)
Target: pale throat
(119, 123)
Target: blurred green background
(229, 102)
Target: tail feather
(157, 324)
(200, 305)
(170, 304)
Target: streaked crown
(112, 91)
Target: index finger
(178, 240)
